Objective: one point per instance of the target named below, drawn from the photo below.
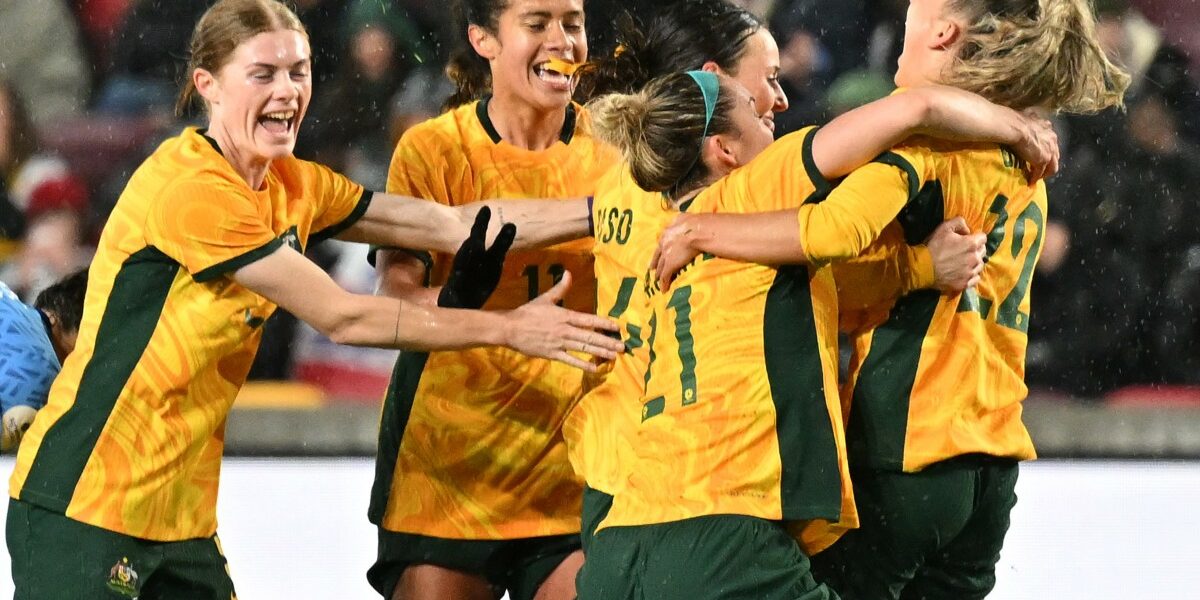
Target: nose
(285, 88)
(781, 101)
(557, 38)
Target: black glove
(476, 269)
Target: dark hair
(223, 27)
(680, 35)
(470, 72)
(660, 130)
(64, 300)
(22, 137)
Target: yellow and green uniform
(131, 437)
(936, 381)
(741, 414)
(470, 444)
(937, 376)
(628, 221)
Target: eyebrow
(299, 63)
(545, 14)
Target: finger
(504, 240)
(588, 341)
(973, 282)
(977, 269)
(574, 361)
(958, 225)
(556, 293)
(596, 350)
(479, 228)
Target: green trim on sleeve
(895, 160)
(237, 262)
(360, 209)
(822, 185)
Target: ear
(712, 67)
(720, 156)
(484, 43)
(944, 34)
(206, 84)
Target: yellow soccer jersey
(741, 413)
(475, 436)
(628, 221)
(933, 375)
(132, 435)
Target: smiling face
(258, 98)
(529, 33)
(752, 131)
(758, 71)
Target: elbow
(922, 109)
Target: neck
(253, 169)
(525, 126)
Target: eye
(262, 76)
(536, 26)
(299, 75)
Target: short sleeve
(410, 174)
(340, 202)
(211, 228)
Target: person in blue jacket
(34, 340)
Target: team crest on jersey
(123, 579)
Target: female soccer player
(115, 485)
(473, 490)
(935, 431)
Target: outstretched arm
(417, 224)
(538, 329)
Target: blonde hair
(660, 130)
(1026, 53)
(223, 27)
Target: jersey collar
(564, 136)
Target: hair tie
(710, 88)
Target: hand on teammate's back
(957, 255)
(543, 329)
(476, 268)
(1039, 148)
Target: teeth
(281, 116)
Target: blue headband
(710, 86)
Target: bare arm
(407, 222)
(538, 329)
(853, 139)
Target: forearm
(956, 114)
(540, 223)
(770, 238)
(393, 323)
(404, 222)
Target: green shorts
(57, 557)
(711, 557)
(931, 535)
(595, 507)
(516, 566)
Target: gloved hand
(476, 268)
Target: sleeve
(782, 177)
(856, 212)
(887, 269)
(342, 202)
(212, 229)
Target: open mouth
(556, 73)
(280, 123)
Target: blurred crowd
(87, 88)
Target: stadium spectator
(41, 55)
(34, 340)
(148, 57)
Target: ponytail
(470, 72)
